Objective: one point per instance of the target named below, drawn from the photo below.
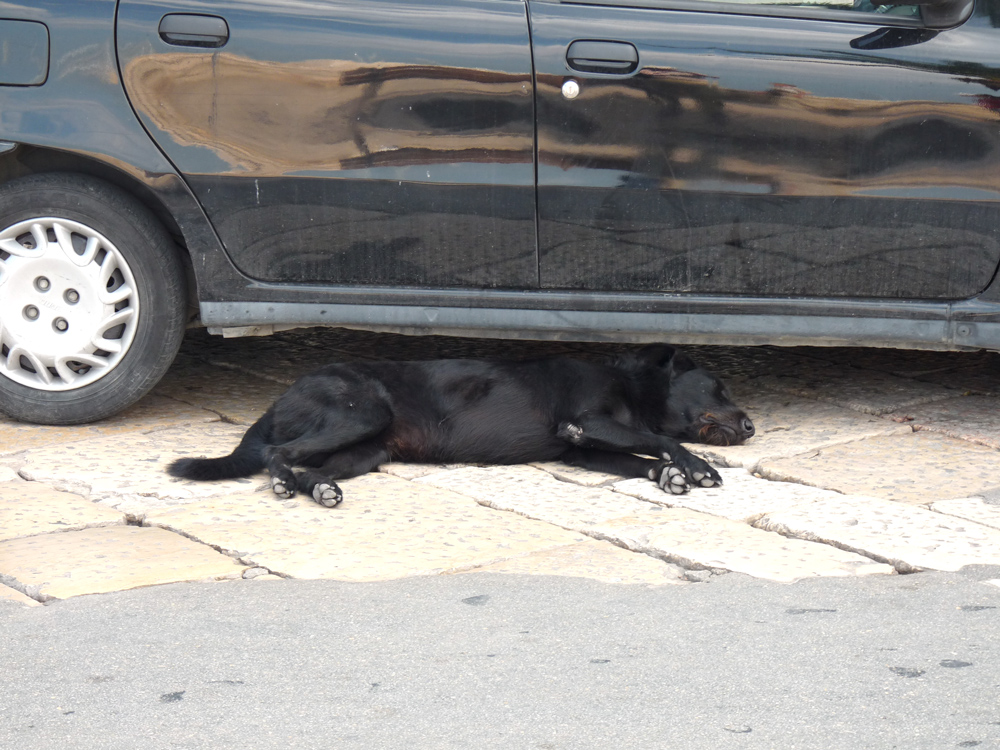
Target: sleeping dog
(345, 419)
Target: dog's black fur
(345, 419)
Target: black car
(780, 172)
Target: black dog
(345, 419)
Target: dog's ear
(656, 354)
(667, 357)
(680, 363)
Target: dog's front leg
(603, 433)
(663, 472)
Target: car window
(864, 11)
(850, 6)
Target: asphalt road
(487, 660)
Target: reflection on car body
(685, 170)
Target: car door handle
(614, 58)
(189, 30)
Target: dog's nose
(747, 426)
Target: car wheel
(92, 299)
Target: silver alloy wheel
(68, 304)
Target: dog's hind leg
(339, 431)
(663, 472)
(351, 462)
(604, 433)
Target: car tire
(93, 299)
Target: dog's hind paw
(281, 487)
(327, 494)
(570, 432)
(670, 479)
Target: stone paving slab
(235, 396)
(737, 364)
(696, 540)
(972, 418)
(982, 376)
(742, 496)
(866, 391)
(267, 357)
(415, 471)
(278, 362)
(537, 494)
(30, 508)
(689, 538)
(127, 471)
(385, 528)
(919, 468)
(788, 425)
(152, 412)
(8, 594)
(601, 561)
(981, 510)
(975, 372)
(907, 537)
(902, 362)
(113, 558)
(584, 477)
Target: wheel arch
(24, 160)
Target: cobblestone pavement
(866, 462)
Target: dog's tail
(247, 459)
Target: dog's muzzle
(715, 428)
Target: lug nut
(72, 296)
(42, 284)
(31, 312)
(60, 324)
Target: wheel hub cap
(68, 304)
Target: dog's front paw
(697, 471)
(283, 486)
(570, 432)
(707, 480)
(669, 478)
(327, 494)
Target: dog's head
(699, 408)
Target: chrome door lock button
(571, 89)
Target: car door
(384, 142)
(783, 149)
